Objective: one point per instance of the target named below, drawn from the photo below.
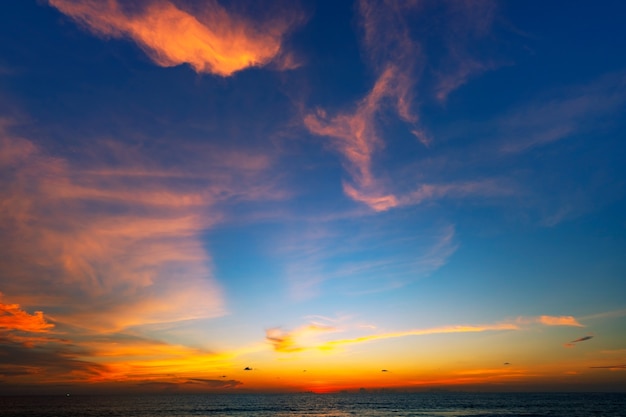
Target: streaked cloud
(312, 337)
(356, 139)
(623, 366)
(467, 23)
(356, 135)
(398, 59)
(574, 342)
(204, 35)
(606, 315)
(216, 383)
(307, 338)
(109, 244)
(76, 355)
(113, 239)
(334, 258)
(579, 110)
(418, 332)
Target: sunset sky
(286, 196)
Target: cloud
(206, 36)
(399, 61)
(13, 318)
(443, 56)
(308, 338)
(50, 360)
(28, 330)
(580, 339)
(216, 383)
(609, 367)
(356, 135)
(606, 315)
(346, 257)
(580, 110)
(418, 332)
(289, 342)
(561, 119)
(91, 357)
(111, 238)
(466, 22)
(559, 321)
(356, 138)
(124, 253)
(190, 385)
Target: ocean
(440, 404)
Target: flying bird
(247, 368)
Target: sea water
(327, 405)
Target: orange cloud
(290, 342)
(12, 317)
(418, 332)
(550, 321)
(210, 39)
(559, 321)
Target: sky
(312, 196)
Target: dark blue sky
(192, 188)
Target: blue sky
(195, 188)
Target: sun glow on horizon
(310, 196)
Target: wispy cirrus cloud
(356, 139)
(312, 338)
(115, 232)
(612, 367)
(466, 22)
(95, 360)
(606, 315)
(580, 110)
(215, 383)
(368, 261)
(206, 36)
(399, 61)
(112, 245)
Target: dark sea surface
(339, 405)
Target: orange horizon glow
(243, 196)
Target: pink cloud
(399, 61)
(115, 245)
(356, 138)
